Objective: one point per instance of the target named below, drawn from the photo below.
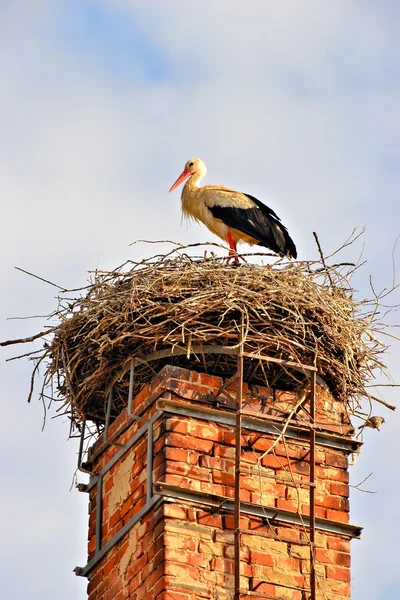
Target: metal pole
(81, 442)
(239, 399)
(131, 380)
(80, 452)
(99, 514)
(108, 414)
(312, 487)
(149, 483)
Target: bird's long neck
(194, 180)
(189, 198)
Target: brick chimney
(167, 522)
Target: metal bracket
(97, 480)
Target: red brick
(206, 518)
(178, 570)
(209, 431)
(269, 460)
(336, 460)
(339, 489)
(115, 518)
(112, 591)
(259, 499)
(210, 380)
(181, 542)
(191, 471)
(110, 565)
(320, 511)
(91, 546)
(342, 559)
(191, 391)
(324, 556)
(94, 580)
(176, 425)
(192, 513)
(185, 456)
(229, 491)
(229, 522)
(249, 457)
(229, 552)
(230, 439)
(300, 468)
(339, 544)
(133, 581)
(335, 502)
(289, 534)
(187, 558)
(287, 562)
(332, 474)
(175, 511)
(191, 443)
(108, 484)
(216, 463)
(260, 558)
(287, 504)
(223, 478)
(223, 565)
(337, 515)
(338, 573)
(224, 451)
(159, 585)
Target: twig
(357, 487)
(32, 338)
(383, 385)
(389, 406)
(350, 240)
(322, 257)
(24, 355)
(25, 318)
(41, 279)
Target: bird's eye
(191, 164)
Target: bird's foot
(232, 250)
(232, 256)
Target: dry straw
(296, 311)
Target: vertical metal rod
(81, 441)
(149, 483)
(108, 413)
(239, 399)
(131, 380)
(312, 488)
(99, 513)
(80, 452)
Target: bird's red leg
(233, 250)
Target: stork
(232, 216)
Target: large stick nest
(298, 311)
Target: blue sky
(102, 103)
(109, 39)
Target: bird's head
(194, 166)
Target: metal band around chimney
(268, 425)
(275, 515)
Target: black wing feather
(259, 222)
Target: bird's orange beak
(184, 175)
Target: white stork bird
(232, 216)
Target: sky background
(296, 102)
